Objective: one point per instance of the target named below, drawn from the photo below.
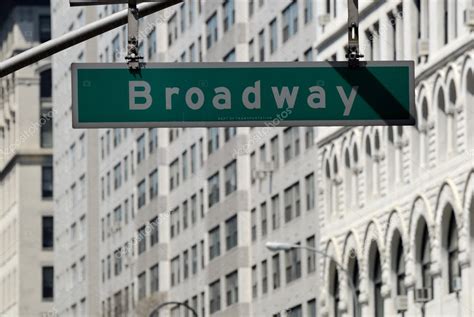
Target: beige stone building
(26, 167)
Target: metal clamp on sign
(133, 56)
(353, 54)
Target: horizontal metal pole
(72, 38)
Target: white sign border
(261, 123)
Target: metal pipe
(77, 36)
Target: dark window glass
(48, 232)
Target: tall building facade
(185, 213)
(396, 203)
(75, 161)
(26, 167)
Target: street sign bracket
(353, 54)
(133, 55)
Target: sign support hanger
(133, 55)
(353, 55)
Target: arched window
(377, 286)
(369, 178)
(400, 269)
(399, 154)
(452, 118)
(336, 293)
(470, 106)
(355, 179)
(424, 133)
(424, 258)
(329, 191)
(442, 125)
(355, 292)
(335, 184)
(348, 179)
(391, 154)
(377, 163)
(453, 252)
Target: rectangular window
(194, 259)
(292, 202)
(141, 240)
(48, 283)
(184, 162)
(311, 256)
(275, 212)
(215, 297)
(309, 137)
(308, 11)
(273, 36)
(231, 233)
(253, 167)
(175, 271)
(253, 219)
(214, 243)
(174, 222)
(261, 45)
(308, 57)
(141, 148)
(232, 288)
(152, 139)
(193, 159)
(229, 14)
(48, 232)
(229, 133)
(293, 264)
(275, 152)
(117, 176)
(185, 214)
(201, 151)
(310, 192)
(115, 50)
(142, 285)
(172, 29)
(296, 311)
(152, 44)
(154, 231)
(44, 28)
(185, 264)
(154, 278)
(192, 53)
(46, 116)
(251, 7)
(193, 209)
(174, 174)
(290, 20)
(312, 308)
(213, 189)
(118, 262)
(264, 277)
(211, 30)
(212, 140)
(254, 282)
(47, 181)
(251, 51)
(182, 13)
(263, 218)
(276, 271)
(141, 188)
(292, 143)
(231, 177)
(153, 183)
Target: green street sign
(243, 94)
